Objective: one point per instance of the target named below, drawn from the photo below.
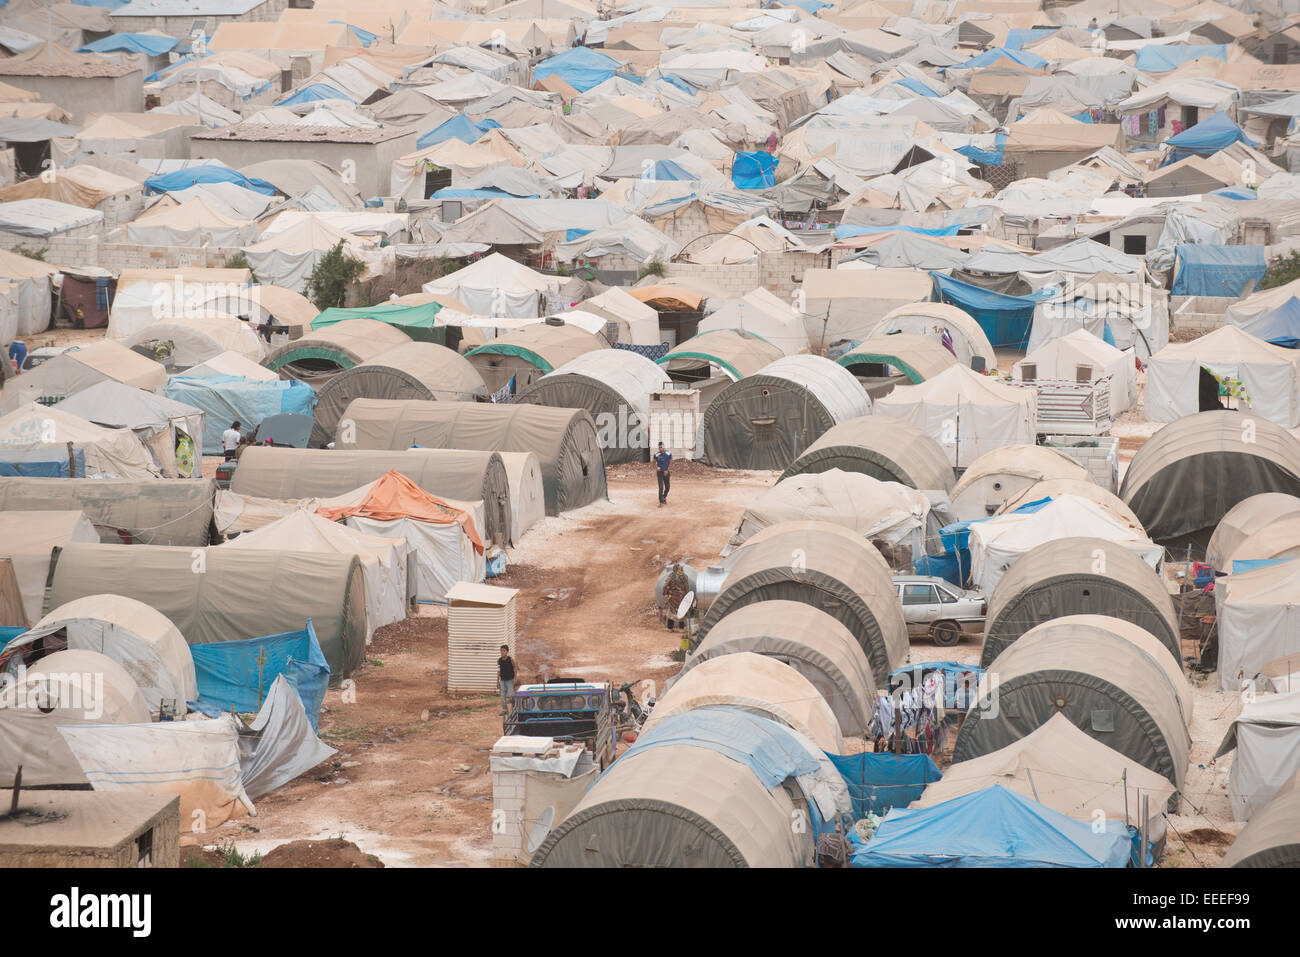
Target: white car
(935, 608)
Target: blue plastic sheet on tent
(1248, 564)
(111, 4)
(1280, 326)
(915, 85)
(450, 193)
(1004, 319)
(580, 67)
(1236, 192)
(193, 175)
(953, 568)
(1206, 138)
(878, 782)
(753, 170)
(1016, 39)
(766, 747)
(147, 43)
(857, 229)
(1204, 270)
(1023, 57)
(809, 7)
(1084, 117)
(992, 827)
(227, 398)
(238, 674)
(365, 36)
(459, 127)
(314, 93)
(678, 82)
(667, 170)
(42, 463)
(957, 535)
(1162, 59)
(573, 234)
(991, 157)
(9, 632)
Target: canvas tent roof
(884, 448)
(761, 313)
(1062, 577)
(1244, 519)
(1257, 618)
(1266, 738)
(109, 453)
(736, 354)
(292, 587)
(496, 286)
(844, 575)
(1062, 358)
(152, 511)
(1186, 476)
(194, 341)
(28, 539)
(997, 475)
(565, 440)
(324, 352)
(541, 344)
(1079, 488)
(917, 357)
(69, 372)
(1270, 839)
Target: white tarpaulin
(109, 453)
(497, 286)
(1259, 620)
(1063, 358)
(279, 744)
(445, 555)
(1266, 737)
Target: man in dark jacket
(663, 460)
(506, 674)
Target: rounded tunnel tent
(1078, 488)
(322, 353)
(1277, 540)
(917, 357)
(932, 320)
(462, 475)
(143, 641)
(409, 370)
(240, 593)
(838, 571)
(1187, 476)
(767, 420)
(1244, 519)
(806, 639)
(181, 344)
(737, 354)
(1078, 576)
(148, 511)
(565, 440)
(1272, 836)
(882, 448)
(614, 385)
(754, 683)
(676, 806)
(1119, 690)
(997, 475)
(529, 353)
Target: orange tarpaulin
(395, 496)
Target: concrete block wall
(1101, 461)
(75, 247)
(1198, 314)
(117, 255)
(123, 208)
(180, 26)
(733, 281)
(508, 789)
(684, 225)
(674, 421)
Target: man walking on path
(506, 672)
(663, 462)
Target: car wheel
(946, 633)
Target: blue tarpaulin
(1023, 57)
(1004, 319)
(957, 535)
(1225, 271)
(226, 398)
(1206, 138)
(459, 127)
(238, 674)
(667, 170)
(991, 157)
(993, 827)
(42, 463)
(1280, 325)
(314, 93)
(847, 231)
(878, 782)
(1163, 58)
(365, 36)
(9, 632)
(147, 43)
(915, 85)
(1249, 564)
(1016, 39)
(1236, 192)
(753, 170)
(953, 568)
(809, 7)
(580, 67)
(193, 175)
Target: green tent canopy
(416, 321)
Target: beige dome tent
(614, 385)
(1077, 576)
(109, 453)
(1076, 488)
(141, 640)
(69, 372)
(410, 370)
(29, 735)
(322, 353)
(28, 540)
(527, 354)
(1276, 540)
(241, 593)
(826, 566)
(883, 448)
(997, 475)
(755, 683)
(149, 511)
(932, 320)
(1244, 519)
(460, 475)
(193, 341)
(768, 419)
(916, 357)
(564, 440)
(806, 639)
(1186, 477)
(1108, 677)
(735, 354)
(1272, 838)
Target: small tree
(1282, 270)
(653, 268)
(327, 286)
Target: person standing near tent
(230, 440)
(506, 675)
(663, 462)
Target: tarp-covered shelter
(968, 414)
(565, 440)
(241, 593)
(151, 511)
(884, 447)
(1183, 479)
(322, 353)
(28, 540)
(409, 370)
(1272, 838)
(1078, 576)
(143, 641)
(1266, 739)
(104, 453)
(69, 372)
(614, 385)
(1244, 519)
(768, 419)
(842, 574)
(497, 286)
(917, 357)
(172, 431)
(463, 475)
(1118, 684)
(995, 476)
(1258, 620)
(736, 354)
(181, 344)
(519, 359)
(226, 399)
(806, 639)
(1082, 357)
(848, 304)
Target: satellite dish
(687, 601)
(542, 828)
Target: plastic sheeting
(1005, 319)
(1266, 738)
(880, 782)
(1259, 620)
(227, 399)
(147, 510)
(280, 743)
(1206, 138)
(1223, 271)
